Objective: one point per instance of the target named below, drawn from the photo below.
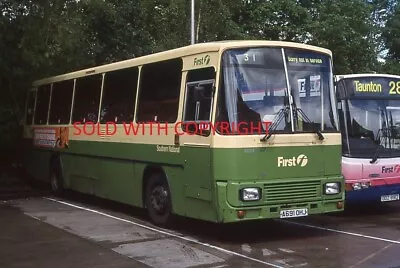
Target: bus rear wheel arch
(157, 199)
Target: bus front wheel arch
(157, 199)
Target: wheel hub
(159, 199)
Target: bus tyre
(158, 200)
(56, 183)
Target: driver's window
(198, 101)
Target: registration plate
(390, 197)
(292, 213)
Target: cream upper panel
(166, 136)
(278, 140)
(202, 60)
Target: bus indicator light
(241, 214)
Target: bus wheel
(158, 200)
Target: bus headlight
(332, 188)
(365, 184)
(250, 194)
(356, 186)
(361, 185)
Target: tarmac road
(80, 231)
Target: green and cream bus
(221, 131)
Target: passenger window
(30, 107)
(119, 95)
(42, 105)
(159, 91)
(87, 99)
(61, 101)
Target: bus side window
(87, 99)
(159, 91)
(30, 107)
(61, 101)
(42, 105)
(119, 95)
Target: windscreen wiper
(304, 116)
(282, 112)
(377, 138)
(385, 133)
(376, 153)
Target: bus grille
(290, 191)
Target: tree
(39, 39)
(391, 34)
(274, 20)
(113, 30)
(215, 23)
(345, 28)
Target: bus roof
(178, 52)
(339, 77)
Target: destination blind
(367, 87)
(304, 59)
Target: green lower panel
(107, 178)
(118, 171)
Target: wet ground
(40, 230)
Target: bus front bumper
(374, 194)
(275, 210)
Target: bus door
(195, 143)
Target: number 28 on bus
(369, 111)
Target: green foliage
(345, 28)
(285, 20)
(113, 31)
(168, 22)
(391, 34)
(214, 21)
(390, 66)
